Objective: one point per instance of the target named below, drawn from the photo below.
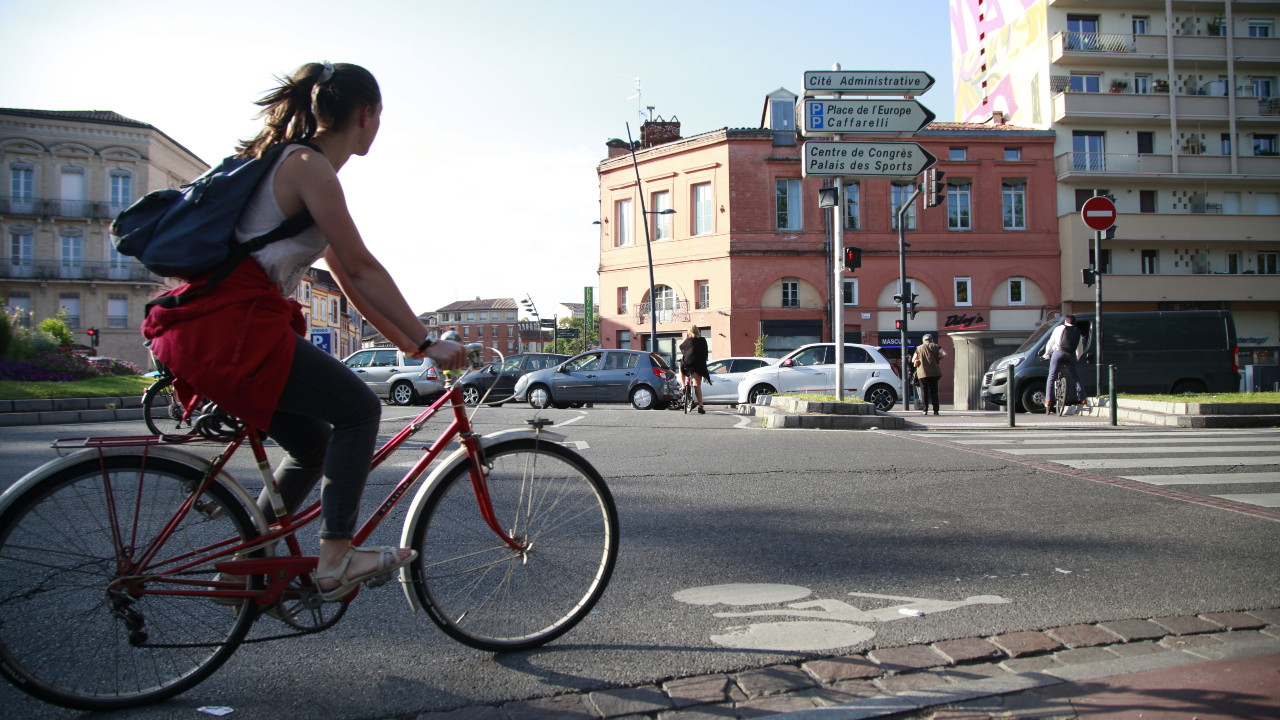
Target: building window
(622, 301)
(1264, 144)
(72, 257)
(702, 294)
(850, 293)
(790, 293)
(22, 249)
(851, 214)
(1105, 267)
(1146, 142)
(665, 307)
(121, 192)
(69, 303)
(1013, 153)
(1266, 204)
(1088, 150)
(787, 207)
(661, 223)
(898, 195)
(1261, 28)
(961, 285)
(624, 339)
(1014, 202)
(1267, 263)
(1233, 263)
(22, 188)
(466, 331)
(479, 331)
(1150, 262)
(1230, 203)
(958, 204)
(1141, 84)
(471, 317)
(702, 211)
(1147, 201)
(493, 333)
(20, 302)
(622, 223)
(1016, 296)
(1140, 24)
(117, 311)
(1225, 138)
(484, 316)
(958, 153)
(1085, 83)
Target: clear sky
(482, 181)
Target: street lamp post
(527, 302)
(630, 145)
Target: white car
(811, 369)
(725, 374)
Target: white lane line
(1206, 478)
(985, 438)
(1108, 440)
(1168, 462)
(1268, 500)
(1139, 450)
(569, 421)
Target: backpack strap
(291, 226)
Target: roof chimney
(997, 117)
(658, 132)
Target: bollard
(1111, 385)
(1010, 399)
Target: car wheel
(883, 397)
(470, 394)
(540, 397)
(402, 393)
(759, 391)
(642, 398)
(1033, 396)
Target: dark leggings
(327, 422)
(929, 391)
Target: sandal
(389, 561)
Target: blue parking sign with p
(323, 340)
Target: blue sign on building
(323, 339)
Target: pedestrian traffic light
(1088, 276)
(93, 337)
(897, 324)
(935, 189)
(852, 258)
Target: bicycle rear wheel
(485, 594)
(1060, 394)
(80, 624)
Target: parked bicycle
(133, 567)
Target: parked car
(602, 376)
(811, 369)
(1153, 352)
(397, 379)
(726, 373)
(498, 379)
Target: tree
(760, 345)
(57, 327)
(582, 343)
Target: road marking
(570, 420)
(1206, 478)
(1030, 437)
(1168, 462)
(1141, 449)
(1270, 500)
(1110, 439)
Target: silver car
(397, 379)
(602, 376)
(726, 373)
(811, 369)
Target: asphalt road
(824, 537)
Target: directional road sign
(568, 333)
(1099, 213)
(880, 116)
(903, 83)
(862, 158)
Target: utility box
(1260, 378)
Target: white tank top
(285, 260)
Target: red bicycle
(132, 567)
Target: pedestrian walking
(928, 363)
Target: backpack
(190, 232)
(1070, 338)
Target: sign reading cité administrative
(880, 116)
(837, 158)
(903, 83)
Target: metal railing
(1098, 42)
(59, 270)
(44, 207)
(668, 312)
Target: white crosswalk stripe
(1208, 458)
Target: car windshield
(586, 362)
(1035, 337)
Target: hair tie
(325, 74)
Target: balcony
(1207, 287)
(1207, 104)
(1151, 168)
(46, 208)
(53, 270)
(1144, 51)
(668, 312)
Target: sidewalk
(999, 420)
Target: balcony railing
(1152, 164)
(95, 271)
(44, 207)
(1098, 42)
(668, 312)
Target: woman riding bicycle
(693, 362)
(240, 343)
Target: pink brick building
(746, 253)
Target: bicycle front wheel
(82, 623)
(161, 409)
(1060, 394)
(488, 595)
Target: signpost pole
(905, 294)
(1097, 312)
(837, 286)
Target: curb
(15, 413)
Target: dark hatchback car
(602, 376)
(499, 379)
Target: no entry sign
(1099, 213)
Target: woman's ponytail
(315, 93)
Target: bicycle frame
(282, 570)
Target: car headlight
(1005, 362)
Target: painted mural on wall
(1009, 38)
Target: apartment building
(66, 175)
(1170, 106)
(746, 253)
(333, 325)
(492, 322)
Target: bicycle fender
(457, 457)
(175, 454)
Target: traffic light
(935, 189)
(852, 258)
(93, 337)
(1088, 276)
(1110, 234)
(912, 307)
(897, 324)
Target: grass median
(107, 386)
(1208, 398)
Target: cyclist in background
(1061, 351)
(240, 343)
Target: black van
(1154, 352)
